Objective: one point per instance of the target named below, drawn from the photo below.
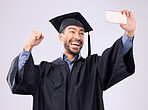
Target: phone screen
(115, 17)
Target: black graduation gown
(54, 87)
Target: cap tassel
(89, 46)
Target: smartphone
(115, 17)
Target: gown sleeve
(113, 67)
(27, 79)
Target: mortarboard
(75, 18)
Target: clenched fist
(35, 39)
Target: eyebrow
(75, 29)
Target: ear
(60, 36)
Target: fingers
(38, 35)
(36, 38)
(130, 13)
(126, 12)
(42, 37)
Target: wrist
(130, 33)
(28, 47)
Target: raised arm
(127, 39)
(35, 39)
(25, 80)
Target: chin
(74, 52)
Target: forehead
(78, 28)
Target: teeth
(75, 43)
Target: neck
(70, 56)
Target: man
(72, 82)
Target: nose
(77, 36)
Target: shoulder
(92, 59)
(57, 61)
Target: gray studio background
(18, 18)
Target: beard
(67, 47)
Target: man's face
(73, 39)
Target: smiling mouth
(76, 44)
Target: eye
(81, 33)
(72, 32)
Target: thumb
(123, 26)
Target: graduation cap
(75, 18)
